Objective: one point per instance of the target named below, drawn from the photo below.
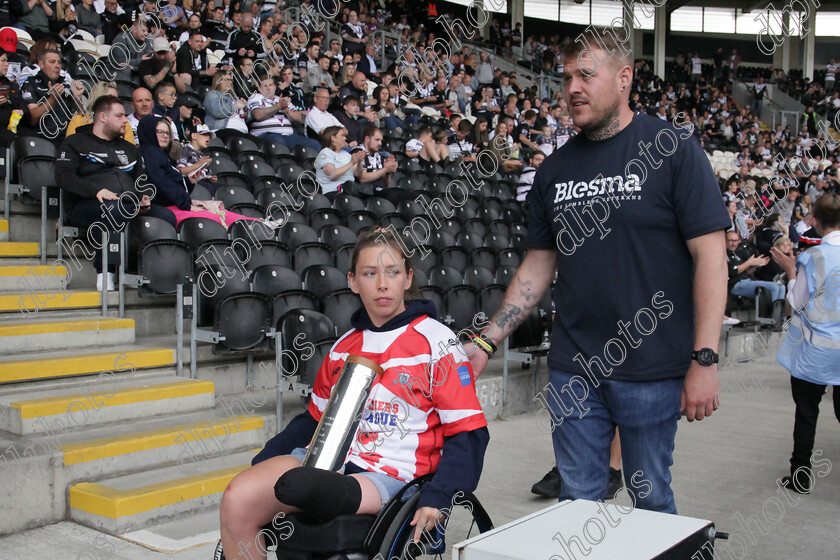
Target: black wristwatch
(705, 356)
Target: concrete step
(65, 363)
(43, 333)
(18, 249)
(109, 399)
(4, 230)
(184, 440)
(23, 278)
(33, 302)
(128, 503)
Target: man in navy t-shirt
(628, 214)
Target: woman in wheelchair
(422, 416)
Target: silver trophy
(340, 420)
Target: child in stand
(193, 163)
(426, 390)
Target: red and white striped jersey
(426, 393)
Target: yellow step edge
(37, 270)
(25, 370)
(18, 249)
(93, 450)
(4, 225)
(98, 324)
(50, 406)
(107, 502)
(34, 302)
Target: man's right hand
(759, 260)
(104, 194)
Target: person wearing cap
(162, 67)
(193, 163)
(134, 39)
(192, 61)
(50, 103)
(8, 44)
(10, 102)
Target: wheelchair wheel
(466, 519)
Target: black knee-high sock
(323, 494)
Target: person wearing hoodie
(427, 387)
(102, 177)
(173, 188)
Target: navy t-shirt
(634, 267)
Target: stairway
(95, 424)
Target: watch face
(706, 357)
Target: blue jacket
(170, 183)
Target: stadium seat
(288, 172)
(233, 196)
(242, 319)
(436, 296)
(420, 278)
(360, 220)
(268, 252)
(252, 232)
(304, 153)
(395, 219)
(343, 256)
(440, 240)
(295, 235)
(462, 304)
(322, 280)
(490, 298)
(455, 257)
(445, 278)
(496, 242)
(498, 227)
(336, 236)
(410, 209)
(478, 277)
(198, 192)
(309, 254)
(270, 195)
(475, 227)
(315, 203)
(504, 274)
(425, 261)
(380, 206)
(257, 169)
(243, 144)
(347, 204)
(339, 306)
(215, 283)
(469, 241)
(316, 328)
(285, 301)
(195, 231)
(247, 158)
(217, 252)
(325, 217)
(271, 279)
(164, 263)
(450, 226)
(142, 230)
(484, 257)
(509, 257)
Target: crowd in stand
(246, 66)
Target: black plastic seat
(219, 252)
(257, 169)
(251, 232)
(322, 280)
(395, 219)
(325, 217)
(271, 279)
(295, 235)
(436, 296)
(347, 204)
(475, 227)
(287, 300)
(336, 236)
(243, 144)
(268, 252)
(445, 278)
(380, 206)
(462, 305)
(198, 192)
(242, 319)
(339, 306)
(165, 263)
(426, 260)
(315, 327)
(420, 278)
(233, 196)
(509, 257)
(215, 283)
(498, 228)
(504, 274)
(488, 214)
(142, 230)
(496, 242)
(303, 153)
(311, 254)
(195, 231)
(410, 209)
(440, 240)
(478, 277)
(287, 172)
(344, 256)
(360, 220)
(315, 203)
(484, 257)
(455, 257)
(490, 298)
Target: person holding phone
(11, 102)
(335, 166)
(193, 163)
(376, 167)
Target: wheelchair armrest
(386, 516)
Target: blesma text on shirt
(599, 186)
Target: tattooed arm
(532, 279)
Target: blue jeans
(393, 123)
(646, 414)
(291, 140)
(746, 288)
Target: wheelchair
(383, 536)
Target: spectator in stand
(286, 88)
(162, 67)
(134, 41)
(48, 101)
(223, 108)
(387, 113)
(526, 177)
(193, 163)
(192, 62)
(460, 148)
(318, 118)
(64, 22)
(484, 72)
(367, 63)
(165, 98)
(143, 106)
(758, 91)
(87, 19)
(742, 261)
(524, 132)
(503, 149)
(244, 41)
(111, 19)
(11, 102)
(348, 116)
(34, 16)
(272, 117)
(376, 167)
(81, 119)
(353, 36)
(193, 24)
(335, 166)
(173, 188)
(425, 148)
(307, 60)
(109, 183)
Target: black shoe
(801, 485)
(549, 486)
(616, 483)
